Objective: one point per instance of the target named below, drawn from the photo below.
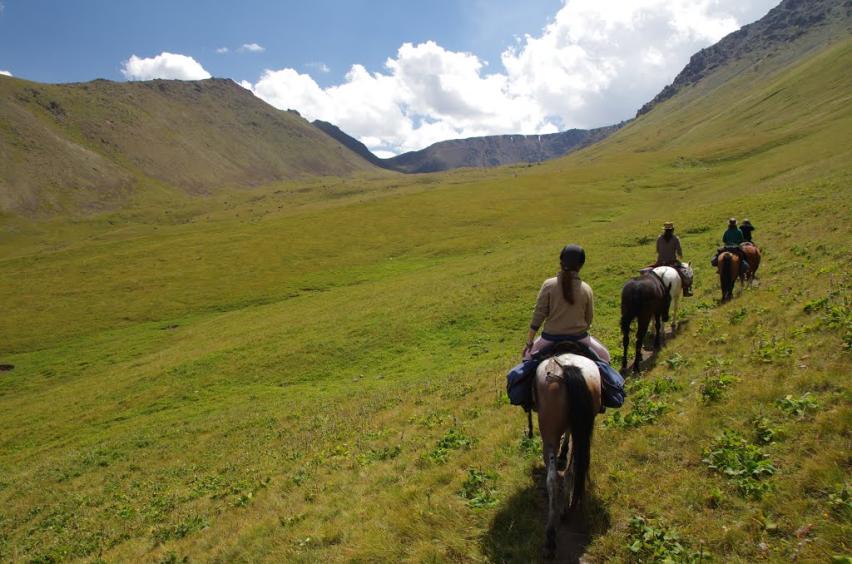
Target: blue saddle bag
(519, 383)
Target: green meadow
(314, 370)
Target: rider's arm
(678, 251)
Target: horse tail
(725, 273)
(581, 418)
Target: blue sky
(67, 41)
(397, 75)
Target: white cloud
(251, 48)
(595, 64)
(222, 50)
(5, 73)
(164, 65)
(319, 66)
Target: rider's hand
(527, 348)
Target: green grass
(266, 375)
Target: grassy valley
(313, 369)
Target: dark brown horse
(752, 256)
(729, 271)
(642, 298)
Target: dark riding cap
(572, 257)
(746, 223)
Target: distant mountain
(96, 144)
(349, 142)
(492, 150)
(820, 20)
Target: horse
(672, 279)
(752, 256)
(568, 397)
(729, 271)
(643, 297)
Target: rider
(746, 227)
(565, 305)
(669, 253)
(732, 238)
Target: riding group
(566, 374)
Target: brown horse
(568, 396)
(729, 271)
(752, 256)
(642, 298)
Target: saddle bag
(612, 385)
(519, 383)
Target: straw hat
(668, 226)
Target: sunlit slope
(315, 372)
(96, 145)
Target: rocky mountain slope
(810, 23)
(95, 144)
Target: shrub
(452, 440)
(479, 488)
(741, 462)
(798, 406)
(651, 541)
(764, 432)
(644, 411)
(713, 387)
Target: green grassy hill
(88, 147)
(314, 370)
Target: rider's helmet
(732, 222)
(572, 257)
(746, 223)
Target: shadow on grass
(649, 355)
(516, 533)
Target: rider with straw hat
(670, 254)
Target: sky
(398, 75)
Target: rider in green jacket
(732, 239)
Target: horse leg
(675, 306)
(553, 497)
(563, 452)
(641, 331)
(625, 341)
(658, 332)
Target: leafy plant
(713, 387)
(771, 349)
(840, 501)
(452, 440)
(530, 447)
(643, 412)
(479, 488)
(798, 406)
(651, 541)
(379, 454)
(677, 360)
(741, 462)
(764, 432)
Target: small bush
(379, 454)
(530, 447)
(798, 406)
(840, 501)
(452, 440)
(651, 541)
(741, 462)
(479, 488)
(737, 316)
(643, 412)
(677, 360)
(764, 432)
(771, 349)
(713, 387)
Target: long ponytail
(567, 286)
